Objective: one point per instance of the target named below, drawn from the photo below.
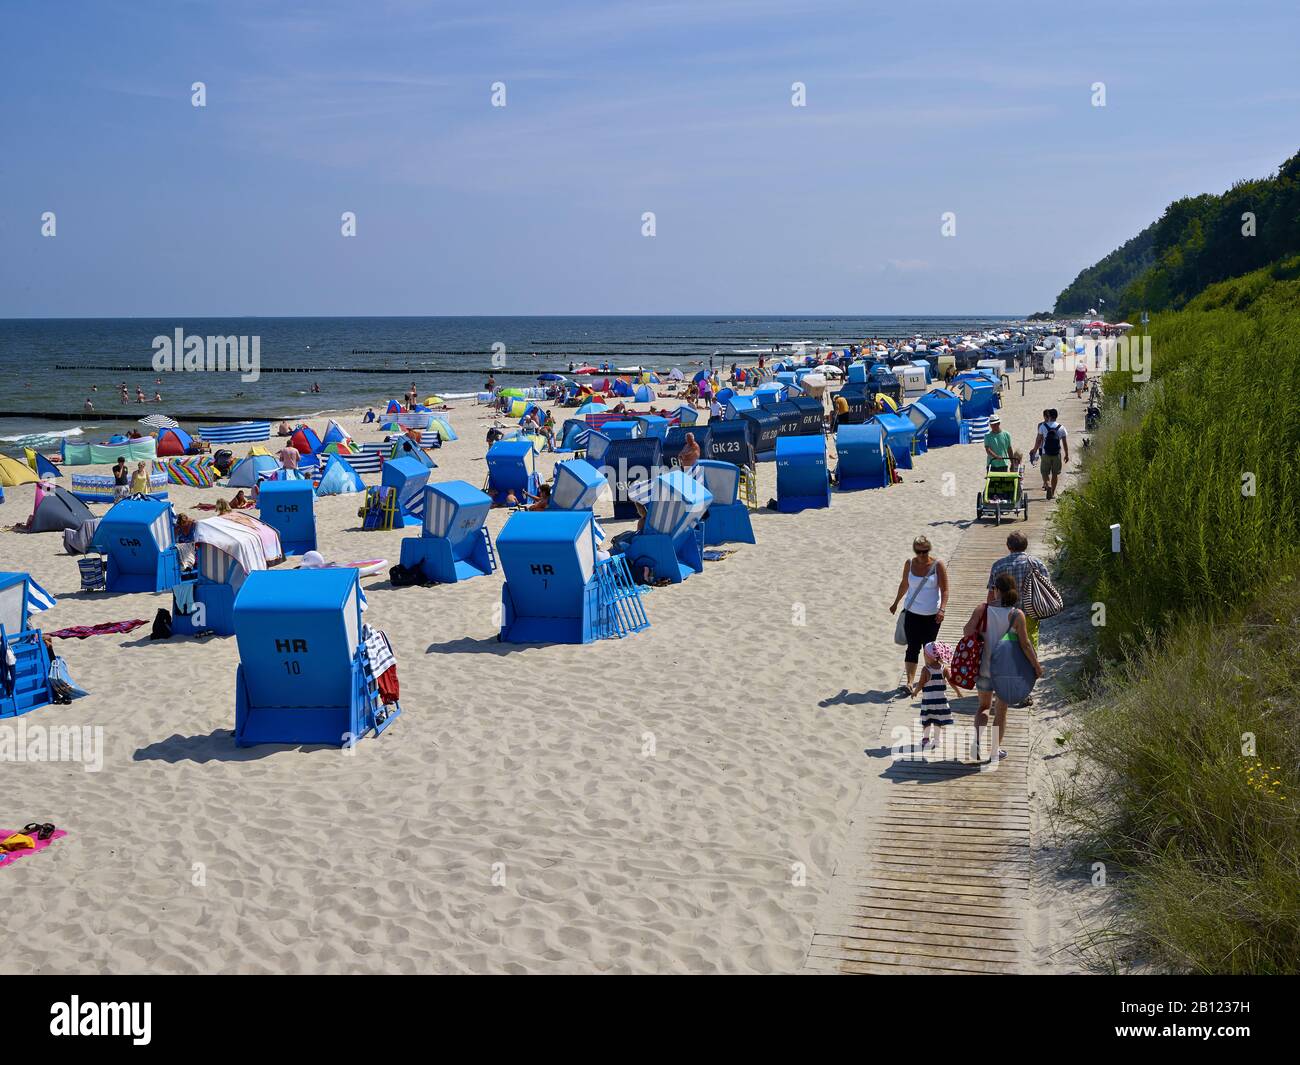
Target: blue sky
(682, 108)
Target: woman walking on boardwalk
(925, 585)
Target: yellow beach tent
(13, 472)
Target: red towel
(80, 632)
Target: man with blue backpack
(1052, 444)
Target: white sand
(186, 854)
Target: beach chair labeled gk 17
(727, 520)
(139, 546)
(302, 677)
(453, 544)
(289, 508)
(556, 590)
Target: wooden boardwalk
(936, 875)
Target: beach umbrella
(701, 375)
(160, 421)
(587, 369)
(591, 408)
(551, 377)
(432, 400)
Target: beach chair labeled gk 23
(556, 590)
(302, 675)
(453, 544)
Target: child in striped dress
(932, 687)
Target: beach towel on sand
(80, 632)
(41, 844)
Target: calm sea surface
(50, 365)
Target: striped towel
(244, 432)
(38, 598)
(369, 459)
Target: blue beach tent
(137, 537)
(801, 474)
(512, 469)
(727, 519)
(339, 478)
(863, 457)
(453, 544)
(26, 683)
(289, 508)
(248, 471)
(573, 435)
(408, 476)
(556, 590)
(302, 676)
(671, 542)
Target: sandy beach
(670, 802)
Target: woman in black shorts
(923, 591)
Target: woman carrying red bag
(988, 624)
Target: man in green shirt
(997, 445)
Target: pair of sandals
(40, 831)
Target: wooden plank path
(936, 878)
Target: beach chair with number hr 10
(453, 544)
(556, 591)
(302, 676)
